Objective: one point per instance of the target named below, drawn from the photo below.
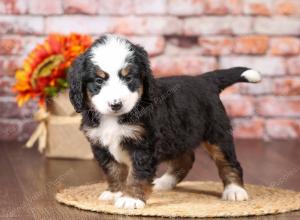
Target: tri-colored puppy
(134, 122)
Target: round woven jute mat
(188, 199)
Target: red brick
(285, 46)
(280, 25)
(266, 65)
(188, 65)
(29, 43)
(5, 86)
(248, 128)
(216, 7)
(215, 45)
(293, 65)
(251, 45)
(13, 7)
(154, 7)
(21, 25)
(10, 45)
(287, 86)
(186, 7)
(217, 25)
(8, 65)
(234, 6)
(153, 45)
(115, 7)
(156, 25)
(282, 128)
(278, 106)
(183, 41)
(45, 7)
(287, 7)
(262, 88)
(230, 91)
(79, 23)
(10, 109)
(27, 128)
(9, 130)
(174, 50)
(239, 106)
(80, 7)
(258, 7)
(222, 7)
(18, 45)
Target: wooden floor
(28, 181)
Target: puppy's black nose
(116, 105)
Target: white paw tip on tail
(234, 192)
(129, 203)
(108, 195)
(164, 183)
(252, 76)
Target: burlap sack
(65, 140)
(58, 133)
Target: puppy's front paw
(129, 203)
(233, 192)
(108, 195)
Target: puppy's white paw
(164, 183)
(233, 192)
(129, 203)
(108, 195)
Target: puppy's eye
(92, 88)
(99, 80)
(129, 78)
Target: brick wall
(182, 37)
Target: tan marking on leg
(227, 173)
(176, 172)
(135, 188)
(181, 165)
(117, 176)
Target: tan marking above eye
(125, 71)
(101, 74)
(141, 90)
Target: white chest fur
(110, 133)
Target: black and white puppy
(134, 122)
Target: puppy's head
(111, 76)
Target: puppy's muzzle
(116, 105)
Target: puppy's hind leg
(229, 168)
(176, 171)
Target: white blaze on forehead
(111, 55)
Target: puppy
(134, 122)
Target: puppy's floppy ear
(148, 80)
(75, 80)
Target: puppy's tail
(227, 77)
